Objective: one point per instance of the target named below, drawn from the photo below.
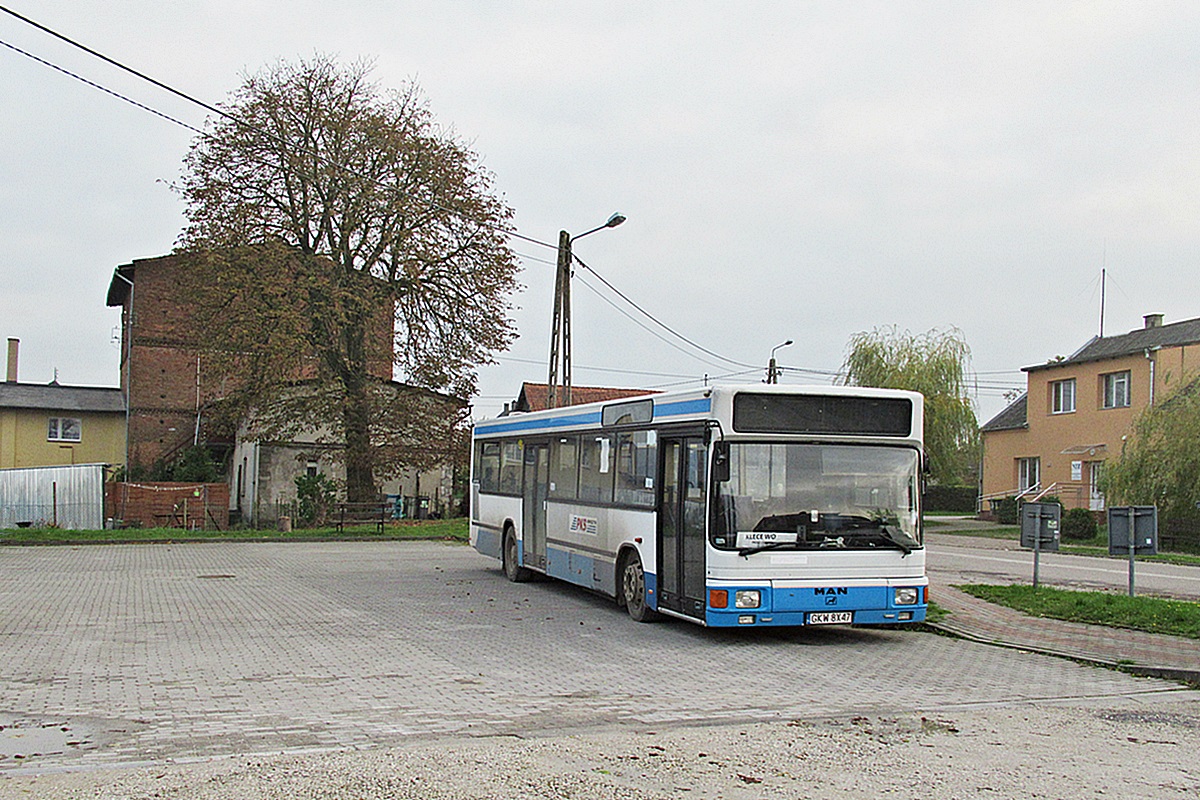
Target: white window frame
(64, 429)
(1062, 396)
(1116, 389)
(1029, 472)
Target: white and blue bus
(727, 506)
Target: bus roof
(691, 405)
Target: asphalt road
(961, 559)
(122, 655)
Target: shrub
(1078, 525)
(315, 494)
(1007, 511)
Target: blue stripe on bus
(677, 409)
(592, 418)
(681, 407)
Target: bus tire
(512, 570)
(633, 589)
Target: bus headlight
(747, 598)
(906, 596)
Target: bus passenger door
(537, 484)
(681, 529)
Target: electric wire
(221, 112)
(95, 85)
(659, 323)
(642, 325)
(233, 118)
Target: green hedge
(960, 499)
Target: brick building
(171, 392)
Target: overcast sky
(789, 170)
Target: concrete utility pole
(560, 330)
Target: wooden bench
(361, 514)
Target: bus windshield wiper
(899, 538)
(758, 548)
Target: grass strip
(1151, 614)
(446, 530)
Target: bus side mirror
(720, 464)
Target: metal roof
(1012, 418)
(54, 397)
(1133, 343)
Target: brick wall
(190, 506)
(167, 375)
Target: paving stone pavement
(1158, 655)
(132, 654)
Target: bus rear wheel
(512, 569)
(633, 589)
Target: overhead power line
(95, 85)
(237, 121)
(658, 322)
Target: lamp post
(772, 370)
(560, 331)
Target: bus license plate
(831, 618)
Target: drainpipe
(128, 337)
(1151, 353)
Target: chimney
(1153, 321)
(13, 344)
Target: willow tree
(935, 364)
(340, 236)
(1159, 463)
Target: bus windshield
(818, 496)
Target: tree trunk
(360, 478)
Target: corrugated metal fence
(69, 497)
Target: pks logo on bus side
(583, 525)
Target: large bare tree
(338, 231)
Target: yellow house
(1076, 413)
(52, 425)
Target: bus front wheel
(512, 568)
(633, 589)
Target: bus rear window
(812, 413)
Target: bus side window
(595, 468)
(636, 466)
(487, 468)
(511, 459)
(564, 467)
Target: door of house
(1095, 496)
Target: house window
(64, 429)
(1028, 473)
(1062, 397)
(1116, 389)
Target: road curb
(1190, 677)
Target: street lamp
(560, 332)
(772, 370)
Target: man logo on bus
(831, 590)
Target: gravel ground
(1141, 746)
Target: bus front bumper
(887, 604)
